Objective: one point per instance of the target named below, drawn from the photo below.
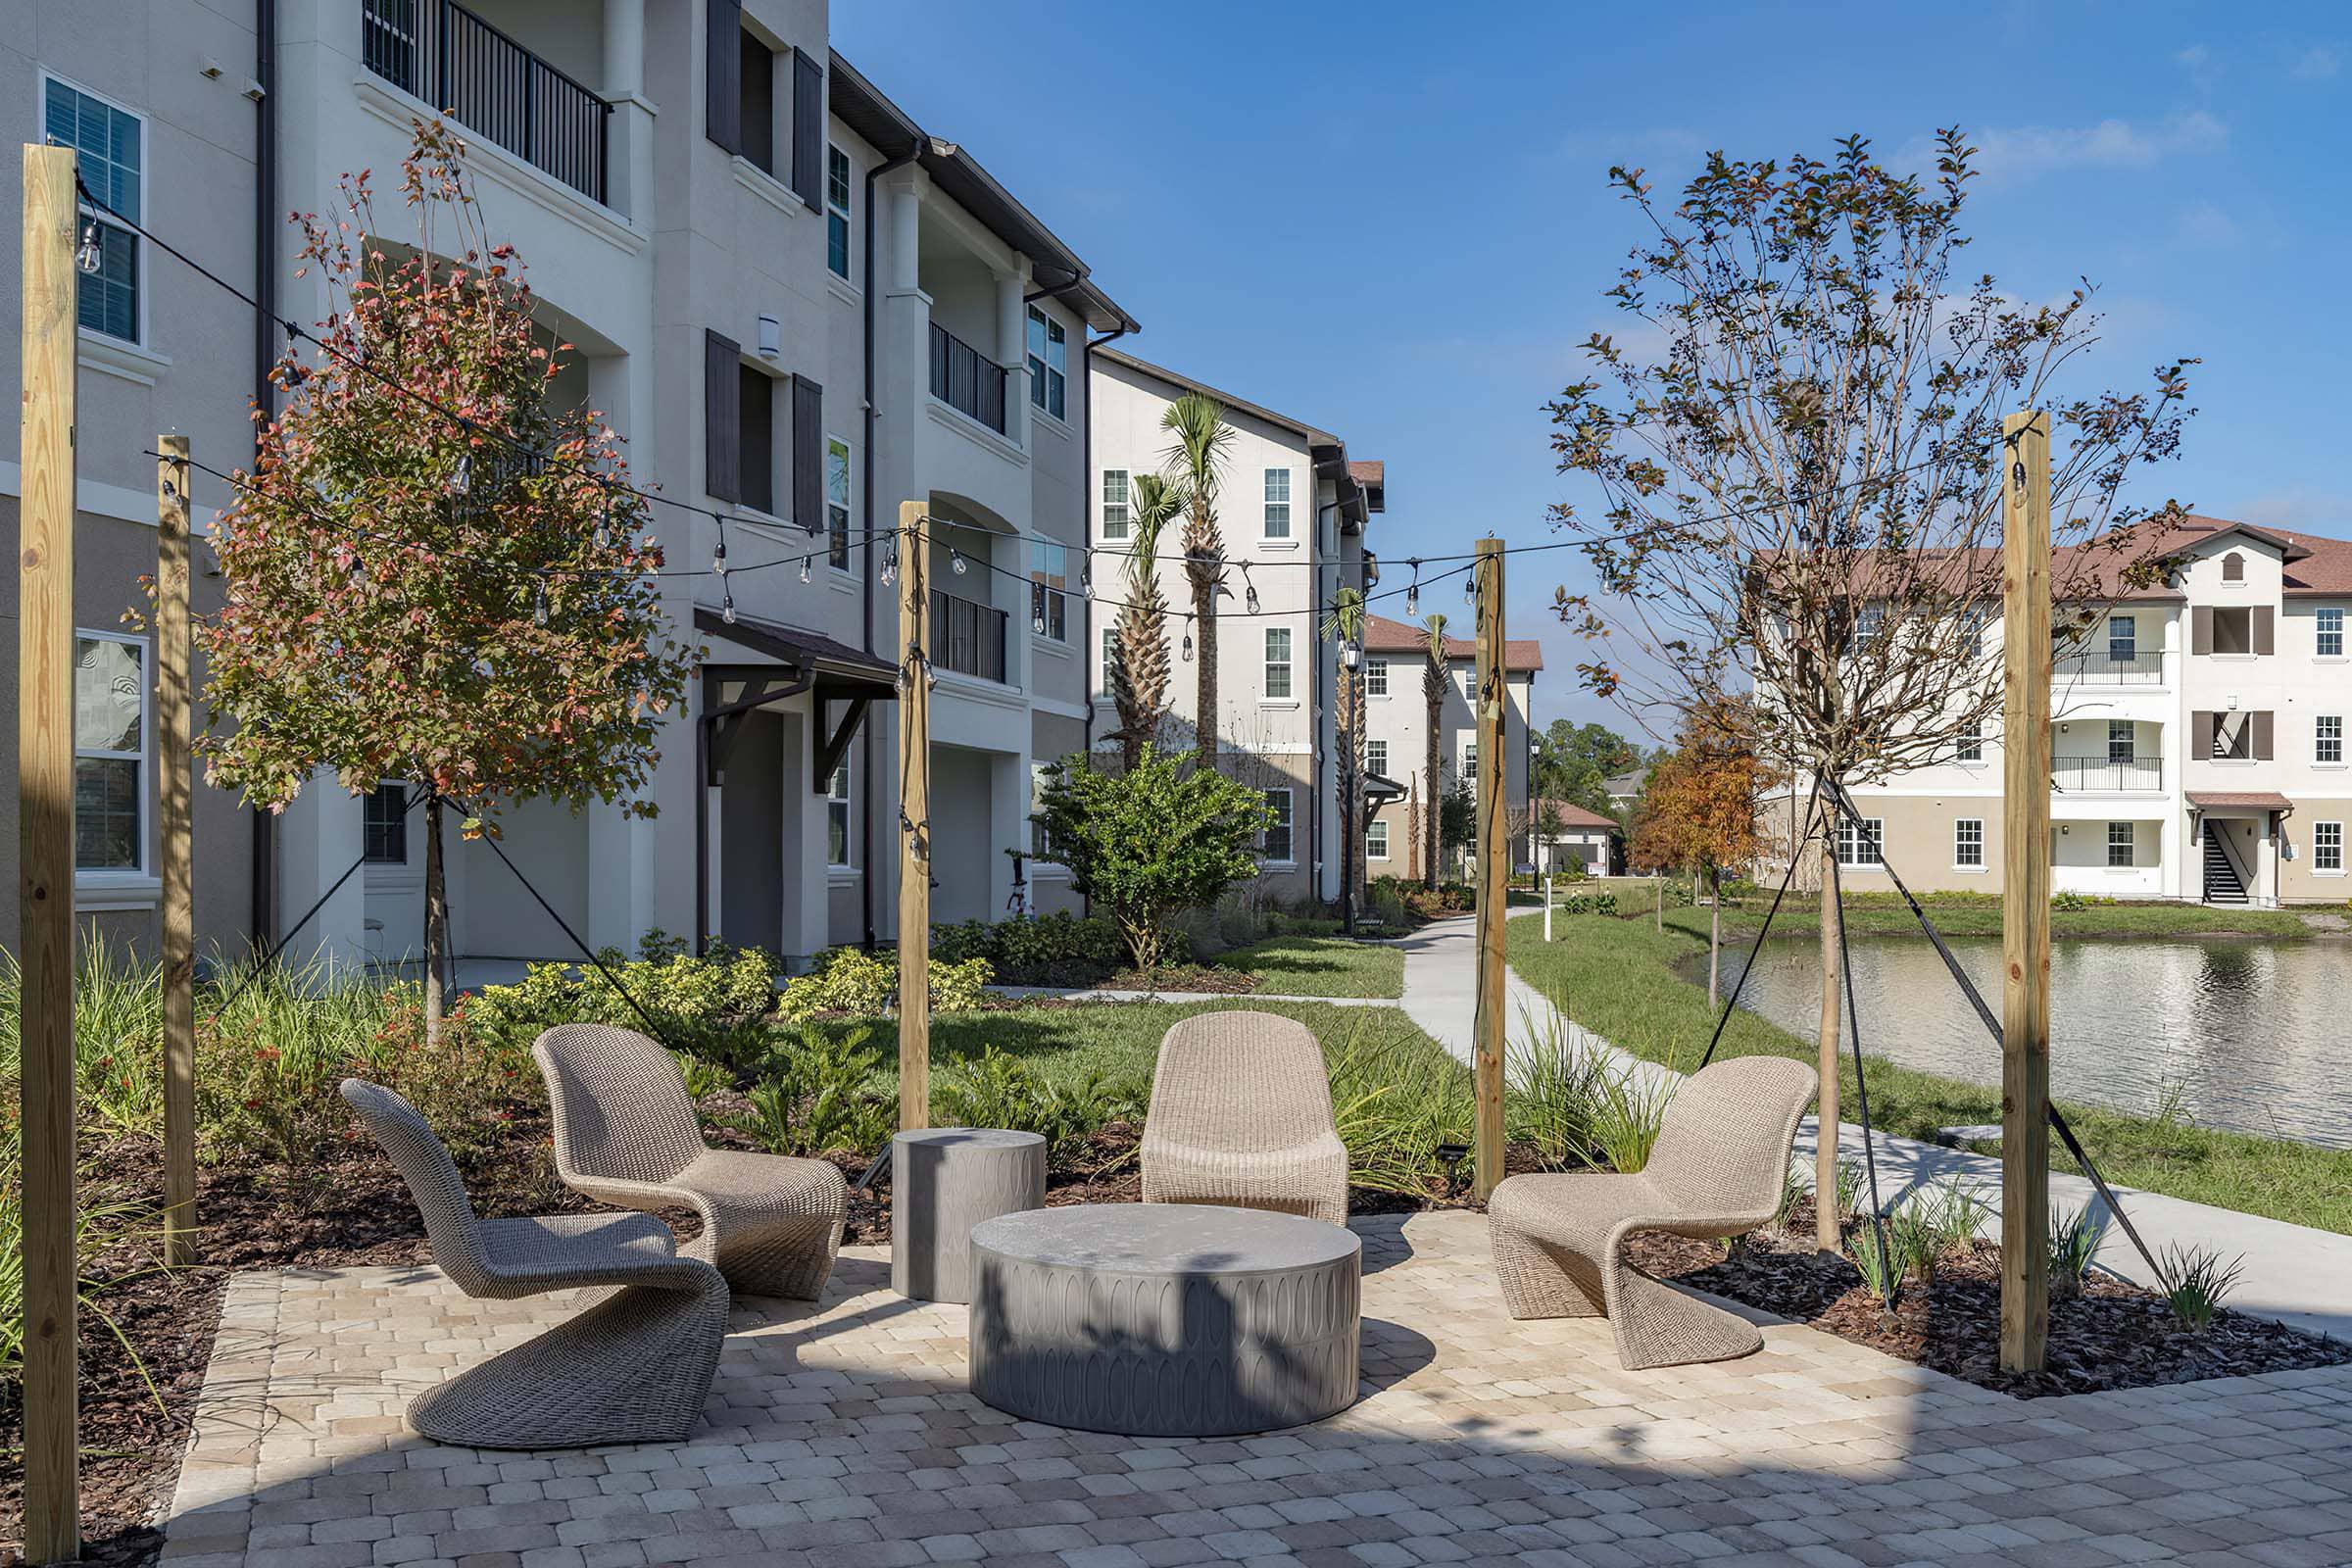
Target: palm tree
(1202, 437)
(1434, 682)
(1344, 624)
(1138, 674)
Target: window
(1278, 661)
(837, 503)
(2327, 846)
(1040, 843)
(2327, 738)
(1049, 363)
(1858, 843)
(110, 146)
(2330, 633)
(1971, 747)
(2233, 631)
(1114, 503)
(1869, 622)
(2119, 846)
(756, 440)
(386, 824)
(1278, 503)
(1968, 841)
(2120, 740)
(1275, 843)
(2233, 567)
(757, 102)
(110, 754)
(2123, 639)
(837, 817)
(837, 211)
(1376, 757)
(1376, 840)
(1049, 581)
(1376, 677)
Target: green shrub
(820, 1091)
(1880, 1261)
(2199, 1281)
(847, 980)
(1035, 950)
(1395, 1104)
(1588, 903)
(1000, 1090)
(710, 1006)
(2075, 1237)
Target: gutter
(866, 731)
(263, 868)
(1086, 548)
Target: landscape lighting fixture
(1450, 1156)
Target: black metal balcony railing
(2101, 773)
(968, 637)
(2106, 670)
(492, 85)
(963, 379)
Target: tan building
(1397, 730)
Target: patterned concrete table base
(944, 1181)
(1165, 1319)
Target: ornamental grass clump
(2199, 1281)
(2075, 1237)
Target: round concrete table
(1164, 1319)
(944, 1181)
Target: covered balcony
(2113, 755)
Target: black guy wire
(1812, 817)
(1888, 1268)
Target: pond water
(2244, 1034)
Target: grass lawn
(1321, 966)
(1617, 978)
(1883, 915)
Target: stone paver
(840, 1434)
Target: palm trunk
(436, 923)
(1825, 1142)
(1205, 706)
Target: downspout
(263, 869)
(1088, 650)
(866, 731)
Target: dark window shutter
(2262, 737)
(808, 454)
(2201, 629)
(723, 417)
(2200, 735)
(723, 70)
(2263, 631)
(807, 129)
(756, 438)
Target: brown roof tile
(1572, 815)
(1385, 636)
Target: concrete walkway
(2293, 1273)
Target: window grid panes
(2119, 839)
(2120, 741)
(2328, 845)
(2331, 633)
(386, 839)
(1968, 841)
(1278, 503)
(1376, 757)
(1971, 747)
(1858, 843)
(1275, 844)
(108, 147)
(1114, 503)
(1049, 363)
(837, 211)
(837, 503)
(837, 817)
(1376, 677)
(1278, 661)
(1110, 658)
(1376, 840)
(2123, 639)
(2327, 738)
(109, 755)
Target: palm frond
(1203, 439)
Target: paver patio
(840, 1434)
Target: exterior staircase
(2222, 882)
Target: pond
(2238, 1033)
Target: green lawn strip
(1321, 966)
(1618, 979)
(1982, 917)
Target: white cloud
(2024, 150)
(2317, 64)
(2204, 224)
(2198, 62)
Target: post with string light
(174, 727)
(1494, 867)
(915, 819)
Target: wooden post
(45, 853)
(1493, 869)
(175, 712)
(2026, 891)
(914, 830)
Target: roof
(824, 661)
(1357, 501)
(2270, 799)
(2315, 564)
(1385, 636)
(1628, 783)
(862, 107)
(1373, 476)
(1573, 815)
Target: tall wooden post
(2026, 891)
(45, 853)
(914, 828)
(174, 714)
(1493, 869)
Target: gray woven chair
(1717, 1169)
(626, 1133)
(634, 1367)
(1241, 1114)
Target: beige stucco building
(1396, 729)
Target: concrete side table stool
(943, 1182)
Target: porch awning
(1377, 788)
(833, 668)
(2239, 801)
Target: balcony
(966, 380)
(968, 637)
(2108, 775)
(495, 87)
(2109, 670)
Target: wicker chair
(1241, 1114)
(1717, 1169)
(634, 1367)
(626, 1133)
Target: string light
(539, 604)
(1413, 590)
(604, 523)
(461, 478)
(1188, 639)
(1036, 622)
(804, 569)
(1086, 569)
(890, 565)
(88, 257)
(726, 603)
(955, 561)
(1248, 590)
(1470, 587)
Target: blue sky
(1391, 219)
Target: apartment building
(1396, 731)
(799, 304)
(2198, 742)
(1293, 511)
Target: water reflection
(2244, 1034)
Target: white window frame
(2328, 740)
(846, 564)
(1963, 842)
(1125, 505)
(2129, 846)
(840, 807)
(1970, 747)
(1850, 844)
(2329, 622)
(142, 873)
(87, 214)
(1279, 667)
(1376, 839)
(2122, 732)
(2128, 642)
(1272, 502)
(839, 212)
(1376, 677)
(1042, 368)
(1042, 597)
(2321, 848)
(1376, 754)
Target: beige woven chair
(1717, 1169)
(626, 1133)
(634, 1367)
(1241, 1114)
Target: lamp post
(1351, 831)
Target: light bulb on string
(1470, 586)
(1086, 570)
(890, 566)
(804, 569)
(727, 606)
(718, 557)
(539, 604)
(88, 257)
(1188, 639)
(604, 523)
(1413, 590)
(1248, 590)
(461, 478)
(955, 561)
(1037, 624)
